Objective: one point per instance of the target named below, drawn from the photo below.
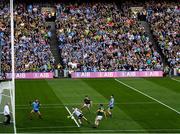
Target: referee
(7, 114)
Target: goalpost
(12, 93)
(7, 88)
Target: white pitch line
(123, 103)
(48, 127)
(56, 107)
(119, 130)
(175, 79)
(147, 96)
(72, 117)
(20, 107)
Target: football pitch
(149, 105)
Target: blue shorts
(36, 110)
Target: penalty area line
(147, 96)
(72, 116)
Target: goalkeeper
(79, 115)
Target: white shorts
(99, 117)
(87, 105)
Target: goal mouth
(6, 97)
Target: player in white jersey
(79, 115)
(110, 106)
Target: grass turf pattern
(133, 112)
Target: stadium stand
(164, 19)
(100, 37)
(4, 36)
(32, 47)
(92, 37)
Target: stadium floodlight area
(6, 96)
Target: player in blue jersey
(35, 106)
(110, 106)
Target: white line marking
(175, 79)
(72, 117)
(121, 130)
(49, 127)
(125, 103)
(56, 107)
(147, 96)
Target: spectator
(164, 21)
(100, 37)
(32, 49)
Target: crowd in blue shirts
(164, 19)
(101, 37)
(32, 48)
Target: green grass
(133, 112)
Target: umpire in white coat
(7, 114)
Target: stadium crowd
(32, 49)
(100, 37)
(92, 37)
(164, 19)
(4, 36)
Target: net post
(12, 64)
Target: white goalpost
(12, 65)
(7, 88)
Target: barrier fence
(33, 75)
(117, 74)
(125, 74)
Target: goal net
(6, 97)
